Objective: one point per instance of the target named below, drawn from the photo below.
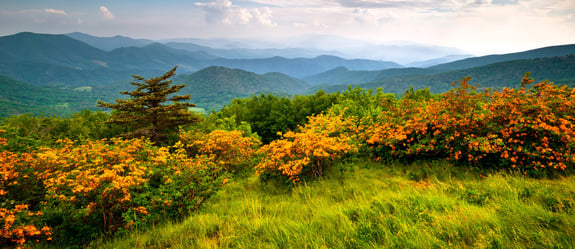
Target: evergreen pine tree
(145, 113)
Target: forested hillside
(18, 97)
(213, 87)
(491, 59)
(343, 76)
(498, 75)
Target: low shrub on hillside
(18, 223)
(513, 128)
(231, 150)
(78, 191)
(309, 151)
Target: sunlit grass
(371, 205)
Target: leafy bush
(308, 152)
(513, 128)
(267, 114)
(231, 150)
(26, 132)
(103, 186)
(18, 224)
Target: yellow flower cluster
(324, 138)
(230, 149)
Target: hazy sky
(477, 26)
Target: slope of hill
(342, 75)
(53, 75)
(109, 43)
(505, 74)
(18, 97)
(60, 60)
(57, 50)
(210, 88)
(216, 86)
(490, 59)
(301, 67)
(438, 61)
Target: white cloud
(36, 12)
(107, 13)
(264, 16)
(244, 16)
(223, 11)
(56, 12)
(217, 11)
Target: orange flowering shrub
(79, 190)
(118, 184)
(230, 149)
(512, 128)
(98, 175)
(307, 152)
(17, 224)
(539, 130)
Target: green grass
(372, 205)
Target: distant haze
(403, 52)
(354, 27)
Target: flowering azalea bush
(232, 150)
(18, 224)
(513, 128)
(309, 151)
(80, 190)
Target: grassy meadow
(367, 204)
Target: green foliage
(419, 94)
(145, 112)
(362, 104)
(26, 132)
(267, 114)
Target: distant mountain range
(109, 43)
(477, 67)
(59, 74)
(559, 69)
(44, 50)
(490, 59)
(314, 45)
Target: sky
(474, 26)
